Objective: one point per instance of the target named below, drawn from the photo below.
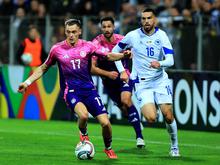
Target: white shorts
(159, 92)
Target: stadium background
(192, 26)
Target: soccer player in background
(73, 57)
(118, 90)
(151, 53)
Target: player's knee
(169, 118)
(126, 102)
(151, 120)
(84, 117)
(105, 123)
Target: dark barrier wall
(196, 98)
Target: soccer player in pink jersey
(73, 57)
(121, 95)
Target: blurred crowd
(172, 15)
(129, 9)
(40, 8)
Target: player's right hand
(22, 87)
(127, 54)
(124, 76)
(113, 75)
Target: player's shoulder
(82, 42)
(57, 45)
(133, 33)
(99, 37)
(118, 36)
(160, 31)
(87, 44)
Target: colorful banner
(37, 102)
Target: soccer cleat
(83, 137)
(174, 152)
(140, 143)
(111, 154)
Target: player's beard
(108, 35)
(148, 28)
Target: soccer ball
(84, 150)
(26, 58)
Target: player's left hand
(155, 64)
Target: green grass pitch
(28, 142)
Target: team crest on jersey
(157, 42)
(82, 54)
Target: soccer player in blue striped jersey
(152, 52)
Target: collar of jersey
(156, 29)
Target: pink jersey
(100, 40)
(108, 46)
(74, 63)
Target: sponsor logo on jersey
(66, 56)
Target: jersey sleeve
(51, 57)
(166, 45)
(122, 45)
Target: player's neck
(71, 44)
(149, 32)
(109, 39)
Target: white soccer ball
(26, 58)
(84, 150)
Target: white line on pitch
(115, 138)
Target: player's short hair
(73, 22)
(149, 10)
(108, 18)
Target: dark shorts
(114, 88)
(89, 98)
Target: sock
(172, 130)
(108, 142)
(83, 131)
(134, 120)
